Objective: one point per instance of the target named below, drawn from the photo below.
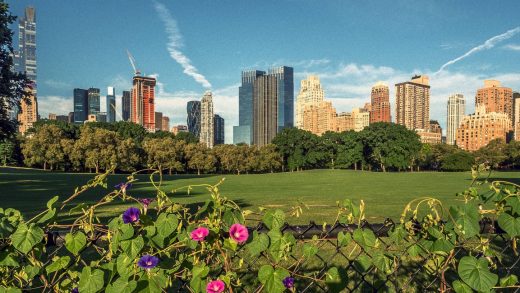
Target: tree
(7, 149)
(44, 147)
(493, 154)
(389, 145)
(269, 159)
(13, 85)
(513, 154)
(187, 137)
(96, 148)
(458, 161)
(200, 158)
(128, 156)
(163, 153)
(350, 150)
(300, 149)
(70, 130)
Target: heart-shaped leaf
(91, 281)
(476, 274)
(510, 224)
(26, 237)
(75, 242)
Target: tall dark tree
(12, 85)
(389, 145)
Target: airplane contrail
(490, 43)
(175, 44)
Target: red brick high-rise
(380, 103)
(142, 109)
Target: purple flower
(123, 186)
(148, 262)
(288, 282)
(75, 290)
(146, 201)
(131, 215)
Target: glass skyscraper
(285, 77)
(111, 105)
(80, 105)
(243, 133)
(193, 109)
(125, 105)
(218, 132)
(94, 102)
(27, 44)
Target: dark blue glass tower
(285, 77)
(125, 105)
(94, 101)
(193, 109)
(243, 132)
(218, 129)
(80, 105)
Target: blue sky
(349, 44)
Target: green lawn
(385, 194)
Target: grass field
(385, 194)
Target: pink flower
(216, 286)
(199, 234)
(238, 233)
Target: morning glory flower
(131, 215)
(148, 262)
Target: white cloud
(512, 47)
(488, 44)
(57, 84)
(175, 44)
(54, 104)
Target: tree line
(96, 147)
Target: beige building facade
(28, 113)
(206, 120)
(477, 130)
(412, 103)
(311, 94)
(320, 118)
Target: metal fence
(356, 264)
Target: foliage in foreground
(158, 244)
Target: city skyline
(347, 71)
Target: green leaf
(90, 281)
(460, 287)
(344, 239)
(336, 279)
(510, 280)
(514, 203)
(382, 262)
(398, 234)
(124, 265)
(476, 274)
(272, 279)
(127, 231)
(9, 290)
(259, 244)
(230, 244)
(79, 208)
(442, 245)
(51, 210)
(466, 219)
(510, 224)
(363, 263)
(354, 209)
(197, 282)
(26, 237)
(132, 247)
(364, 237)
(121, 285)
(152, 283)
(279, 244)
(309, 250)
(75, 242)
(274, 220)
(166, 224)
(7, 259)
(58, 264)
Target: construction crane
(132, 61)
